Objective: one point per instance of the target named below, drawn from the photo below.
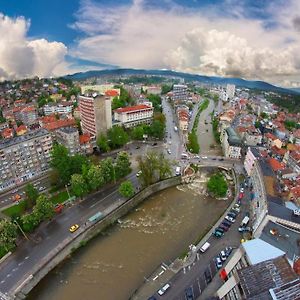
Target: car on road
(230, 219)
(169, 151)
(207, 276)
(218, 262)
(154, 144)
(139, 173)
(221, 159)
(244, 229)
(197, 156)
(41, 188)
(242, 190)
(241, 195)
(189, 295)
(228, 251)
(204, 157)
(14, 191)
(163, 289)
(73, 228)
(137, 147)
(224, 227)
(214, 158)
(223, 255)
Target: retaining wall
(63, 251)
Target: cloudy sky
(252, 39)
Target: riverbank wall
(84, 234)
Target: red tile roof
(7, 133)
(132, 108)
(59, 124)
(84, 138)
(21, 128)
(278, 151)
(270, 136)
(275, 164)
(111, 93)
(28, 109)
(48, 119)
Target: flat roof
(258, 251)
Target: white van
(184, 156)
(177, 171)
(204, 247)
(163, 289)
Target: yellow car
(74, 227)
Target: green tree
(193, 144)
(79, 185)
(8, 235)
(30, 222)
(94, 178)
(60, 161)
(102, 143)
(164, 167)
(44, 208)
(117, 102)
(156, 102)
(107, 170)
(126, 189)
(31, 195)
(217, 185)
(122, 166)
(157, 129)
(137, 132)
(117, 137)
(263, 115)
(166, 88)
(77, 162)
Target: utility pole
(21, 229)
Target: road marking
(160, 273)
(155, 278)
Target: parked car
(218, 233)
(236, 209)
(207, 276)
(228, 251)
(230, 219)
(224, 227)
(242, 190)
(221, 159)
(223, 255)
(218, 262)
(189, 295)
(139, 173)
(226, 223)
(154, 144)
(73, 228)
(163, 289)
(232, 214)
(137, 147)
(244, 229)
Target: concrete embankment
(84, 234)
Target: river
(114, 264)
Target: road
(193, 276)
(29, 254)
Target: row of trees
(92, 177)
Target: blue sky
(252, 39)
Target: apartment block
(24, 157)
(69, 137)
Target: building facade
(24, 157)
(231, 144)
(95, 114)
(180, 92)
(61, 108)
(134, 115)
(69, 137)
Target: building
(229, 94)
(69, 137)
(28, 115)
(183, 118)
(24, 156)
(134, 115)
(259, 271)
(231, 143)
(180, 92)
(95, 114)
(252, 137)
(155, 90)
(62, 108)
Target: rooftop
(132, 108)
(233, 138)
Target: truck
(204, 247)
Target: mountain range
(239, 82)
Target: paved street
(49, 235)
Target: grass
(15, 210)
(60, 198)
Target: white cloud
(22, 57)
(194, 40)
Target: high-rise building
(24, 156)
(180, 92)
(95, 114)
(69, 137)
(230, 91)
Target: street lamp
(15, 221)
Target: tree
(193, 144)
(94, 178)
(117, 102)
(117, 137)
(156, 101)
(8, 235)
(60, 161)
(29, 222)
(126, 189)
(137, 132)
(165, 88)
(107, 170)
(157, 129)
(31, 195)
(164, 167)
(79, 185)
(217, 185)
(122, 166)
(77, 162)
(44, 208)
(102, 143)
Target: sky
(251, 39)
